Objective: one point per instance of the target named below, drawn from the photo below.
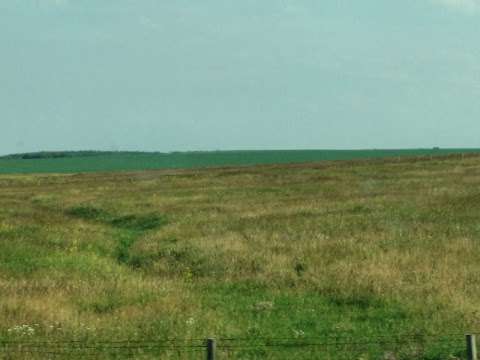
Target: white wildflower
(22, 330)
(298, 333)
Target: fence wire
(383, 347)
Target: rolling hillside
(325, 249)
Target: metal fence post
(211, 349)
(471, 347)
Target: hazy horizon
(153, 152)
(153, 75)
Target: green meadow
(85, 161)
(319, 250)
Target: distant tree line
(84, 153)
(65, 154)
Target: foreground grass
(293, 251)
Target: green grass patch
(263, 313)
(129, 228)
(87, 212)
(133, 222)
(139, 222)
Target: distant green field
(72, 162)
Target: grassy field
(348, 248)
(74, 162)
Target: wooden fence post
(471, 347)
(211, 349)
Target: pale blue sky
(229, 74)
